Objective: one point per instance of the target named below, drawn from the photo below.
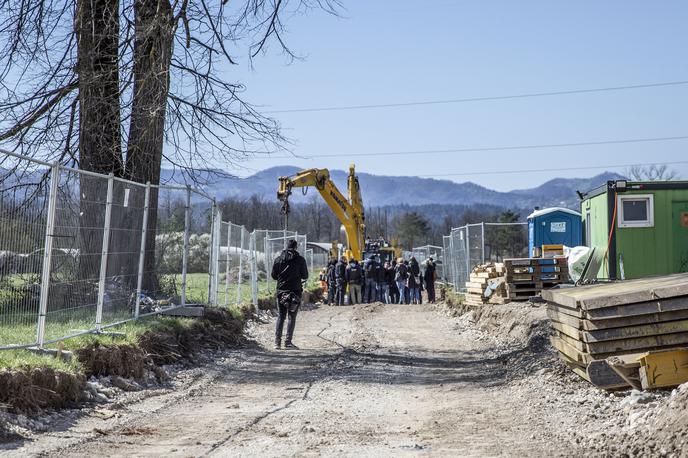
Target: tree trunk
(152, 59)
(97, 31)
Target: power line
(594, 167)
(491, 148)
(478, 99)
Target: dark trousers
(341, 292)
(430, 288)
(331, 292)
(282, 312)
(371, 291)
(394, 293)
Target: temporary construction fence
(422, 253)
(81, 252)
(473, 244)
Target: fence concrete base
(186, 311)
(63, 355)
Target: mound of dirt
(123, 360)
(38, 388)
(518, 323)
(217, 329)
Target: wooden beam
(563, 318)
(628, 332)
(641, 308)
(634, 320)
(620, 293)
(638, 343)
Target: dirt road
(369, 380)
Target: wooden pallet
(553, 277)
(524, 262)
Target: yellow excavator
(349, 210)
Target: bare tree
(652, 173)
(122, 86)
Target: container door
(680, 232)
(557, 230)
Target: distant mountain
(381, 191)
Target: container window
(636, 211)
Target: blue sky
(403, 51)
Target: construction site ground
(376, 380)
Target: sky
(382, 52)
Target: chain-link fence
(80, 252)
(468, 246)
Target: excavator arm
(349, 211)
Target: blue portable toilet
(554, 226)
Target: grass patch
(24, 359)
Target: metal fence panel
(24, 196)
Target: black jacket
(331, 277)
(340, 271)
(389, 275)
(429, 271)
(371, 268)
(414, 267)
(354, 274)
(289, 270)
(400, 272)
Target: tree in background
(652, 173)
(104, 85)
(412, 229)
(506, 241)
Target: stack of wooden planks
(483, 277)
(610, 333)
(527, 277)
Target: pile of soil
(518, 323)
(217, 329)
(123, 360)
(32, 389)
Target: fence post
(48, 253)
(468, 253)
(266, 247)
(104, 252)
(214, 248)
(142, 251)
(241, 266)
(185, 254)
(482, 235)
(216, 268)
(254, 269)
(229, 261)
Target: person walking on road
(354, 278)
(289, 271)
(430, 277)
(400, 277)
(340, 275)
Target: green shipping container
(641, 226)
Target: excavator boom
(349, 211)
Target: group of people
(397, 282)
